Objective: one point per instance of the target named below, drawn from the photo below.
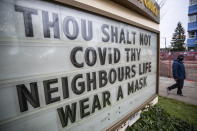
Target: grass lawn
(179, 109)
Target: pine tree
(178, 38)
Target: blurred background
(178, 28)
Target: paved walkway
(189, 90)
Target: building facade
(192, 25)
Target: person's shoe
(168, 91)
(180, 94)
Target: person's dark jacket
(178, 70)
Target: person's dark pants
(179, 84)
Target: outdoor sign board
(62, 68)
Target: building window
(192, 2)
(192, 34)
(192, 18)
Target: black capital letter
(27, 12)
(91, 81)
(102, 55)
(102, 78)
(47, 24)
(87, 56)
(96, 103)
(106, 98)
(67, 20)
(73, 57)
(103, 28)
(80, 84)
(86, 36)
(24, 95)
(120, 93)
(65, 87)
(83, 107)
(68, 113)
(48, 91)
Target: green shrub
(157, 119)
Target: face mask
(181, 59)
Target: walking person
(178, 70)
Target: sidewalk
(189, 90)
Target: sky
(171, 13)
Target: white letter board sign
(62, 68)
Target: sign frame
(114, 126)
